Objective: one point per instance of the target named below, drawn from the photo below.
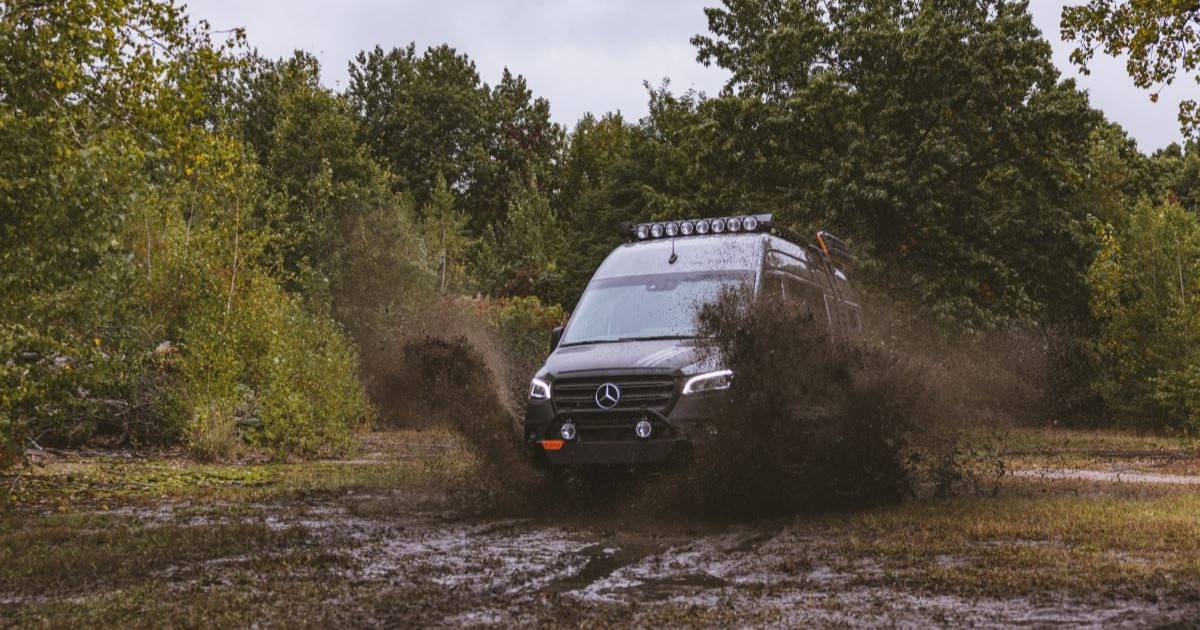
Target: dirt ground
(113, 539)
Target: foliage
(957, 185)
(139, 300)
(445, 230)
(1157, 38)
(430, 115)
(1146, 284)
(520, 256)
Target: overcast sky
(592, 56)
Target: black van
(626, 382)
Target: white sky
(593, 56)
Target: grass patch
(1040, 447)
(77, 554)
(411, 459)
(1033, 540)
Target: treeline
(200, 245)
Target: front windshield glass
(647, 306)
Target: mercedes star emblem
(607, 396)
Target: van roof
(695, 253)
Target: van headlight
(539, 389)
(708, 382)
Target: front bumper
(623, 453)
(675, 435)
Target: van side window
(808, 297)
(772, 288)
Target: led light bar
(697, 227)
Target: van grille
(637, 391)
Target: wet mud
(583, 570)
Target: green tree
(431, 114)
(136, 297)
(423, 115)
(521, 256)
(590, 206)
(1175, 173)
(1158, 38)
(445, 230)
(936, 136)
(1146, 294)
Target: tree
(1159, 38)
(136, 297)
(936, 136)
(589, 205)
(423, 115)
(430, 114)
(1175, 173)
(445, 234)
(521, 256)
(1146, 293)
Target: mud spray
(816, 423)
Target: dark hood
(667, 354)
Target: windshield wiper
(621, 339)
(656, 338)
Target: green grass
(1026, 447)
(114, 481)
(1037, 539)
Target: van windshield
(659, 306)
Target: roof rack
(835, 248)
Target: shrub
(258, 360)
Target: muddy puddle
(507, 572)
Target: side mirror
(555, 337)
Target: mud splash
(814, 422)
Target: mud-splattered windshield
(646, 306)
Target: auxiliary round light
(702, 227)
(643, 428)
(718, 226)
(657, 230)
(750, 223)
(734, 224)
(567, 431)
(686, 228)
(672, 229)
(643, 232)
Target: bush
(286, 378)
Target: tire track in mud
(456, 569)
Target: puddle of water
(1108, 476)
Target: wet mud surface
(1057, 547)
(580, 570)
